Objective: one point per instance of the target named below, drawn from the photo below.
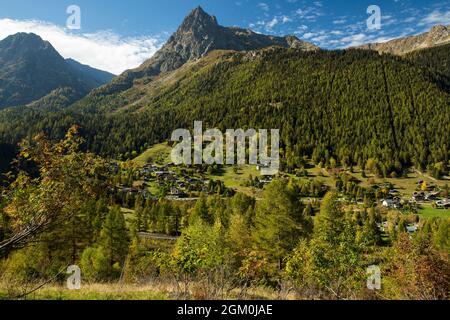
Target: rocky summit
(198, 35)
(438, 35)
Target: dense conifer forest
(349, 105)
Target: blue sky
(116, 35)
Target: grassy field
(153, 291)
(427, 212)
(236, 180)
(158, 153)
(91, 292)
(405, 185)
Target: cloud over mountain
(103, 50)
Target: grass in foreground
(161, 291)
(95, 292)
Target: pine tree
(201, 211)
(279, 222)
(113, 241)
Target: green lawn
(405, 185)
(236, 180)
(428, 212)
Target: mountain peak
(439, 28)
(25, 35)
(23, 39)
(199, 10)
(31, 68)
(198, 19)
(26, 47)
(198, 35)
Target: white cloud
(103, 50)
(263, 6)
(339, 21)
(410, 19)
(354, 40)
(308, 35)
(320, 38)
(272, 23)
(309, 13)
(285, 19)
(436, 17)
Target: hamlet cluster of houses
(177, 184)
(393, 200)
(137, 188)
(384, 227)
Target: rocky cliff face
(200, 34)
(436, 36)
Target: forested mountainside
(436, 59)
(30, 68)
(350, 105)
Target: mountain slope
(435, 58)
(438, 35)
(95, 77)
(198, 35)
(350, 105)
(31, 68)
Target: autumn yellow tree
(66, 178)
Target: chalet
(443, 204)
(431, 196)
(413, 228)
(261, 167)
(160, 174)
(266, 179)
(391, 203)
(393, 192)
(174, 191)
(418, 196)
